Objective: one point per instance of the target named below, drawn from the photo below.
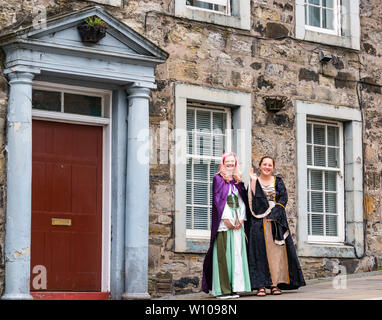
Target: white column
(19, 187)
(137, 194)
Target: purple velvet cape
(220, 190)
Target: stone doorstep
(43, 295)
(202, 295)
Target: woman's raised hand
(252, 174)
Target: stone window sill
(326, 250)
(197, 246)
(334, 40)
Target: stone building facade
(264, 53)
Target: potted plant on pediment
(92, 29)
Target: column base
(136, 296)
(16, 296)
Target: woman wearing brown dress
(272, 258)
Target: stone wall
(249, 61)
(218, 57)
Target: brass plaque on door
(61, 222)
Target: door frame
(106, 123)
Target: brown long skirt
(277, 256)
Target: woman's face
(229, 162)
(266, 167)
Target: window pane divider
(68, 117)
(202, 157)
(323, 168)
(198, 181)
(198, 205)
(62, 101)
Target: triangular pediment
(62, 31)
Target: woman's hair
(236, 175)
(267, 157)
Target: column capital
(134, 91)
(20, 77)
(21, 69)
(142, 84)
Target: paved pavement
(362, 286)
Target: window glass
(327, 19)
(328, 3)
(221, 6)
(46, 100)
(205, 145)
(82, 104)
(323, 171)
(320, 13)
(67, 102)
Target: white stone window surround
(241, 109)
(240, 14)
(353, 245)
(349, 23)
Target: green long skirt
(223, 263)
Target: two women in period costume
(261, 255)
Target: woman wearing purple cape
(225, 267)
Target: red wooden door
(67, 184)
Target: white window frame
(240, 104)
(106, 124)
(340, 186)
(205, 234)
(238, 17)
(336, 22)
(225, 3)
(105, 96)
(348, 34)
(353, 245)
